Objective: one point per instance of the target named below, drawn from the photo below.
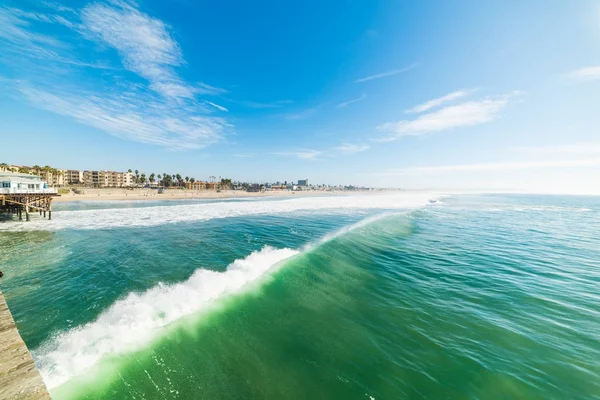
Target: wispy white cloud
(217, 106)
(203, 88)
(301, 154)
(440, 100)
(348, 148)
(16, 35)
(58, 7)
(244, 155)
(161, 109)
(344, 104)
(385, 74)
(462, 115)
(486, 167)
(132, 117)
(585, 74)
(144, 44)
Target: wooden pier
(19, 377)
(23, 204)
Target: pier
(23, 204)
(19, 377)
(22, 194)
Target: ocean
(388, 296)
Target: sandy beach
(174, 194)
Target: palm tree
(152, 177)
(192, 180)
(187, 179)
(226, 182)
(3, 166)
(137, 176)
(129, 171)
(143, 178)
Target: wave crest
(134, 320)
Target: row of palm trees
(170, 180)
(35, 170)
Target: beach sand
(175, 194)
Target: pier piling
(16, 204)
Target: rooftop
(15, 175)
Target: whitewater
(136, 320)
(186, 213)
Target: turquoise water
(473, 297)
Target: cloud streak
(461, 115)
(144, 44)
(348, 148)
(585, 74)
(130, 118)
(385, 74)
(344, 104)
(154, 105)
(440, 101)
(300, 154)
(218, 107)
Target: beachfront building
(195, 185)
(22, 193)
(105, 179)
(213, 185)
(73, 177)
(53, 177)
(303, 184)
(15, 183)
(91, 178)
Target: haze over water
(353, 297)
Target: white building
(14, 183)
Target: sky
(466, 94)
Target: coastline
(152, 194)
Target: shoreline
(151, 194)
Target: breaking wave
(135, 320)
(159, 215)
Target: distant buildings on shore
(113, 179)
(71, 177)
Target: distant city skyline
(423, 95)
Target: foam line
(159, 215)
(135, 320)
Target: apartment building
(53, 177)
(73, 177)
(195, 185)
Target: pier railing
(27, 191)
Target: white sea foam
(159, 215)
(136, 319)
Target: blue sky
(423, 94)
